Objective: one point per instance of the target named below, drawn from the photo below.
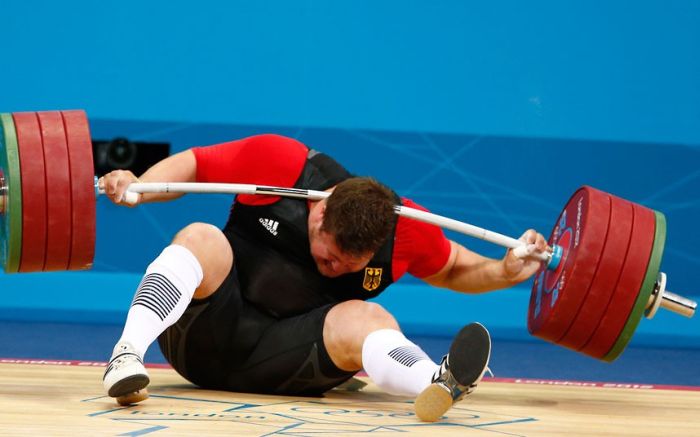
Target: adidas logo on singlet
(270, 225)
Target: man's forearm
(469, 272)
(181, 167)
(485, 275)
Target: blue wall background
(624, 70)
(488, 112)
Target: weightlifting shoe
(459, 373)
(125, 372)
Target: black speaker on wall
(123, 154)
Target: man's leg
(362, 334)
(194, 265)
(225, 343)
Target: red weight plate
(31, 162)
(557, 295)
(82, 189)
(648, 285)
(609, 268)
(628, 287)
(59, 229)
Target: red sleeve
(420, 249)
(260, 160)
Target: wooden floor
(48, 399)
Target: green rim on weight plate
(645, 292)
(11, 218)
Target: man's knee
(366, 316)
(346, 327)
(213, 251)
(197, 235)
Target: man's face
(330, 260)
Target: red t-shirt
(420, 249)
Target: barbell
(589, 295)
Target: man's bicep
(432, 251)
(262, 159)
(441, 277)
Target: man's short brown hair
(360, 215)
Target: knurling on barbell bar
(588, 296)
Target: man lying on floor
(276, 301)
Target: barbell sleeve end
(678, 304)
(662, 298)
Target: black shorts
(224, 342)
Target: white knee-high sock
(162, 296)
(397, 365)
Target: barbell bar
(520, 248)
(589, 294)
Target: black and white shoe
(460, 372)
(125, 373)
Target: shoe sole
(432, 403)
(469, 355)
(133, 398)
(128, 385)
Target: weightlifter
(276, 301)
